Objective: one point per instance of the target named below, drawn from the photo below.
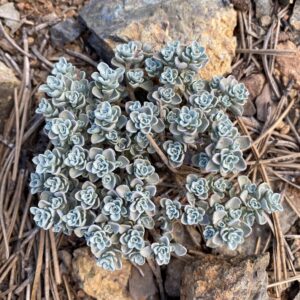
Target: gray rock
(142, 287)
(11, 16)
(173, 277)
(215, 278)
(65, 32)
(263, 8)
(156, 22)
(8, 82)
(295, 18)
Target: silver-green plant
(118, 137)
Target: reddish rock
(288, 65)
(212, 277)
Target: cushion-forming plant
(116, 136)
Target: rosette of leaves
(57, 183)
(186, 123)
(226, 155)
(197, 188)
(258, 200)
(200, 160)
(194, 56)
(195, 215)
(107, 82)
(222, 127)
(114, 207)
(110, 260)
(47, 109)
(176, 152)
(235, 94)
(153, 67)
(57, 201)
(100, 238)
(162, 249)
(204, 100)
(168, 54)
(143, 170)
(107, 117)
(128, 54)
(76, 160)
(139, 200)
(49, 162)
(101, 165)
(60, 130)
(144, 120)
(88, 196)
(43, 216)
(136, 79)
(165, 95)
(171, 212)
(132, 239)
(63, 67)
(55, 86)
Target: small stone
(254, 83)
(242, 5)
(142, 287)
(65, 32)
(173, 277)
(156, 22)
(295, 18)
(286, 64)
(11, 16)
(8, 82)
(285, 129)
(98, 283)
(30, 40)
(265, 21)
(66, 259)
(264, 103)
(215, 278)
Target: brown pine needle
(39, 265)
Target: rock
(288, 217)
(173, 277)
(263, 8)
(11, 16)
(254, 83)
(264, 103)
(65, 32)
(286, 64)
(295, 18)
(143, 287)
(8, 82)
(98, 283)
(265, 21)
(158, 21)
(66, 259)
(242, 5)
(215, 278)
(297, 297)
